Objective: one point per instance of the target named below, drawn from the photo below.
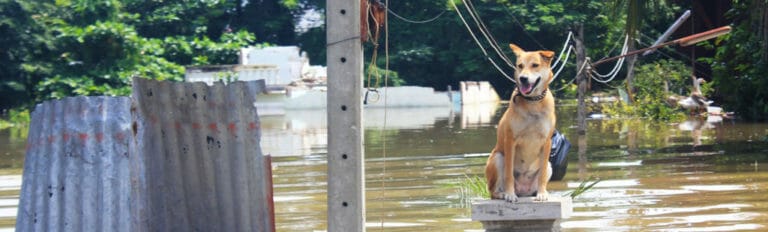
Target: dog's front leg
(509, 177)
(545, 173)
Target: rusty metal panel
(76, 171)
(201, 167)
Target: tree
(53, 49)
(740, 62)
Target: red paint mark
(232, 128)
(253, 126)
(83, 136)
(213, 127)
(196, 125)
(65, 137)
(153, 119)
(177, 125)
(120, 136)
(211, 104)
(99, 137)
(51, 139)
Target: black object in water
(560, 146)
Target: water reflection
(304, 132)
(699, 175)
(647, 171)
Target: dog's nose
(524, 79)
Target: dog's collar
(534, 98)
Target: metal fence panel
(202, 167)
(76, 173)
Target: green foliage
(377, 77)
(54, 49)
(740, 63)
(227, 77)
(15, 118)
(583, 187)
(651, 100)
(472, 187)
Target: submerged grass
(583, 187)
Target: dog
(519, 163)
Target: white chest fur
(534, 125)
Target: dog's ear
(547, 55)
(517, 50)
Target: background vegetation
(55, 48)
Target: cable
(619, 63)
(486, 33)
(615, 71)
(479, 44)
(386, 87)
(570, 49)
(565, 45)
(574, 78)
(415, 21)
(524, 31)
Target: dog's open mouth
(526, 88)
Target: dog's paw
(509, 197)
(542, 196)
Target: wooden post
(346, 177)
(524, 215)
(581, 79)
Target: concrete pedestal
(524, 215)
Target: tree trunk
(631, 70)
(581, 79)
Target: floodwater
(690, 176)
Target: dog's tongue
(526, 88)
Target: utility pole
(582, 78)
(346, 172)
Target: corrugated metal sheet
(202, 168)
(76, 171)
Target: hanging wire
(479, 44)
(615, 71)
(565, 46)
(384, 126)
(486, 33)
(574, 77)
(570, 49)
(523, 28)
(615, 68)
(415, 21)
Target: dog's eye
(520, 66)
(535, 65)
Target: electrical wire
(480, 44)
(570, 49)
(486, 33)
(618, 65)
(415, 21)
(616, 68)
(565, 46)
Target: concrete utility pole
(346, 172)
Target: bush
(651, 100)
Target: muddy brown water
(690, 176)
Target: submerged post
(346, 179)
(582, 76)
(524, 215)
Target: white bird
(696, 101)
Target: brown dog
(519, 164)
